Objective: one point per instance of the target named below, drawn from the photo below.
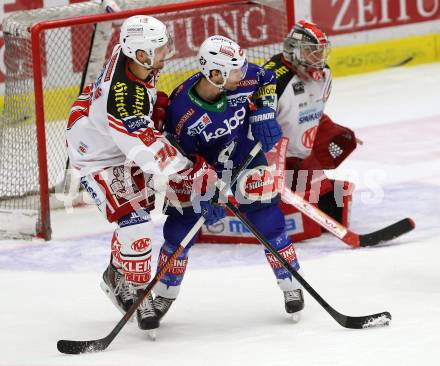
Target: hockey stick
(331, 225)
(353, 322)
(346, 235)
(77, 347)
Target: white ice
(230, 311)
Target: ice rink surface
(230, 311)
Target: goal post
(45, 53)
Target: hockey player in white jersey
(315, 142)
(113, 142)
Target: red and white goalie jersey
(300, 105)
(110, 124)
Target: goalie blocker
(331, 196)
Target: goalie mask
(307, 47)
(222, 54)
(142, 32)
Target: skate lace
(146, 308)
(292, 295)
(122, 288)
(162, 304)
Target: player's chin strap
(77, 347)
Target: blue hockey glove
(212, 212)
(265, 127)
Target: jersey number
(165, 155)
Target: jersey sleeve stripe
(119, 129)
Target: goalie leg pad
(337, 202)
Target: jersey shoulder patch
(127, 98)
(282, 73)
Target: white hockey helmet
(146, 33)
(307, 45)
(223, 54)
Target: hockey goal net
(46, 53)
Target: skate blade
(152, 334)
(295, 317)
(112, 298)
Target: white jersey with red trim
(300, 105)
(110, 124)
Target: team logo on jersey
(236, 99)
(148, 137)
(230, 124)
(82, 149)
(308, 137)
(199, 125)
(134, 123)
(298, 88)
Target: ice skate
(117, 289)
(294, 303)
(162, 305)
(146, 315)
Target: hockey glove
(212, 212)
(159, 111)
(265, 127)
(333, 144)
(188, 188)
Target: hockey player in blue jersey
(211, 116)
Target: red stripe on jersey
(119, 129)
(74, 117)
(114, 120)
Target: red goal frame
(43, 228)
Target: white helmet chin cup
(146, 33)
(223, 54)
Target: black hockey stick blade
(77, 347)
(387, 233)
(362, 322)
(353, 322)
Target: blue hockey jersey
(218, 131)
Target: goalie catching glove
(190, 191)
(332, 145)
